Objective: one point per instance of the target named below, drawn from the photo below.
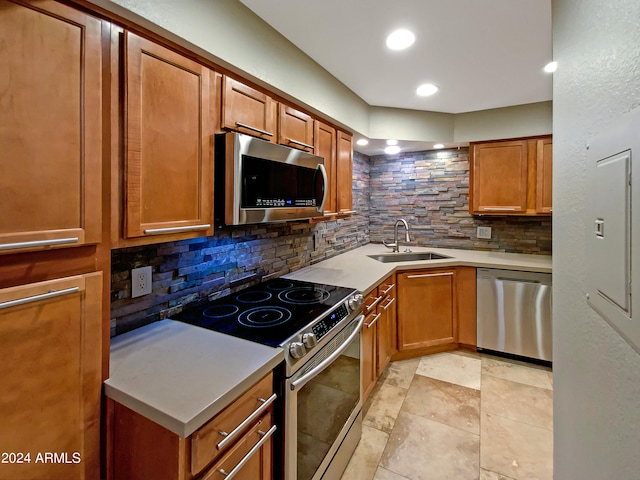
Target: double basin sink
(407, 257)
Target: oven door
(322, 402)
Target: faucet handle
(392, 245)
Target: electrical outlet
(140, 281)
(484, 232)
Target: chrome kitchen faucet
(395, 245)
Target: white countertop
(180, 376)
(356, 270)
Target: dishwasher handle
(518, 280)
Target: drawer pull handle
(368, 308)
(448, 274)
(265, 436)
(254, 129)
(372, 322)
(188, 228)
(391, 300)
(37, 298)
(296, 142)
(39, 243)
(230, 437)
(388, 289)
(500, 209)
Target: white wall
(596, 374)
(231, 35)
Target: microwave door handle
(323, 172)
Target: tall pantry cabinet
(51, 257)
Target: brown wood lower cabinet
(378, 333)
(50, 371)
(144, 450)
(436, 310)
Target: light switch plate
(484, 232)
(141, 281)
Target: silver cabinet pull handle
(368, 308)
(230, 437)
(39, 243)
(384, 292)
(500, 209)
(254, 129)
(346, 212)
(265, 436)
(372, 322)
(447, 274)
(37, 298)
(189, 228)
(296, 142)
(391, 300)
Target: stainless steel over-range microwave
(262, 182)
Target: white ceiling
(482, 54)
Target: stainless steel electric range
(318, 326)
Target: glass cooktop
(268, 313)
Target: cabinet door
(50, 366)
(295, 128)
(499, 177)
(369, 373)
(544, 167)
(248, 110)
(344, 161)
(325, 141)
(169, 161)
(384, 334)
(426, 309)
(50, 126)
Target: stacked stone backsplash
(431, 191)
(189, 271)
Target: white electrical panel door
(612, 221)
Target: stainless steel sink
(407, 257)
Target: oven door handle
(322, 365)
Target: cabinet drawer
(371, 301)
(250, 457)
(228, 426)
(388, 286)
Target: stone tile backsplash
(431, 191)
(428, 189)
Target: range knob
(309, 340)
(297, 350)
(356, 301)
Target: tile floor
(457, 416)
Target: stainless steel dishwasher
(514, 312)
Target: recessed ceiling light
(392, 142)
(426, 89)
(551, 67)
(438, 145)
(392, 150)
(400, 39)
(363, 142)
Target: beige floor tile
(488, 475)
(453, 368)
(364, 462)
(384, 474)
(385, 405)
(515, 449)
(517, 401)
(529, 374)
(467, 353)
(444, 402)
(421, 449)
(400, 373)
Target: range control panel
(321, 328)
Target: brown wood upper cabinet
(511, 177)
(344, 169)
(325, 143)
(50, 139)
(50, 365)
(247, 110)
(169, 135)
(295, 128)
